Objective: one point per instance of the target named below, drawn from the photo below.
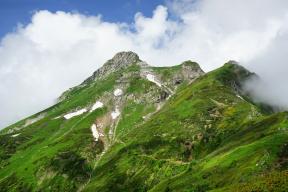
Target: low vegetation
(207, 136)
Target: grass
(204, 138)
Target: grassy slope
(204, 138)
(37, 157)
(233, 144)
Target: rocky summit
(135, 127)
(119, 61)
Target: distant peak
(190, 63)
(120, 61)
(233, 72)
(125, 54)
(233, 62)
(236, 66)
(125, 58)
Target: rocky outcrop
(119, 61)
(189, 72)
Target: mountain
(134, 127)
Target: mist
(58, 50)
(272, 67)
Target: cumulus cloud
(59, 50)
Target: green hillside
(133, 127)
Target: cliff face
(134, 127)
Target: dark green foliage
(71, 164)
(14, 183)
(282, 161)
(139, 85)
(9, 144)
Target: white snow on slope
(118, 92)
(115, 113)
(95, 132)
(15, 135)
(76, 113)
(152, 78)
(58, 117)
(97, 105)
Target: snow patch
(15, 135)
(76, 113)
(115, 113)
(97, 105)
(152, 78)
(95, 132)
(118, 92)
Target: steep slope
(206, 137)
(133, 127)
(59, 147)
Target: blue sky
(210, 32)
(13, 12)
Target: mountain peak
(125, 58)
(120, 61)
(153, 119)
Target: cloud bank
(59, 50)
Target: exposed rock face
(119, 61)
(124, 59)
(189, 71)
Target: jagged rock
(119, 61)
(189, 72)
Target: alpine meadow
(143, 96)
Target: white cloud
(272, 67)
(54, 52)
(59, 50)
